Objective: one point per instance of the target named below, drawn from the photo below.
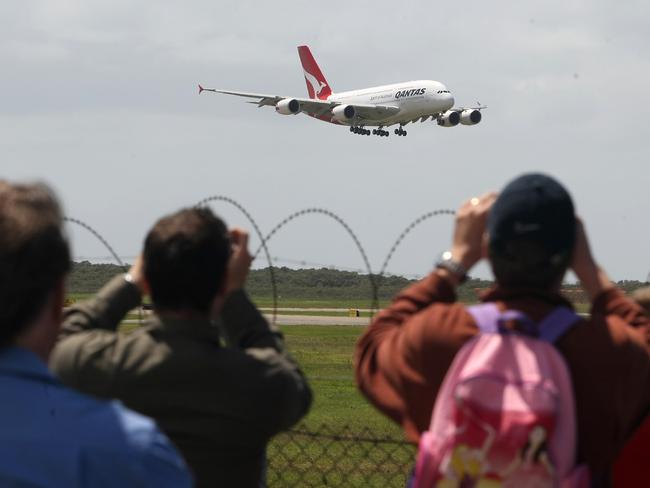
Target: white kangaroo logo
(311, 79)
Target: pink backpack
(504, 415)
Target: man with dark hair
(207, 366)
(50, 435)
(531, 237)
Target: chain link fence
(338, 457)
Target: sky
(99, 99)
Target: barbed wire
(317, 264)
(372, 277)
(314, 210)
(98, 236)
(406, 232)
(84, 225)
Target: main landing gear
(366, 132)
(360, 130)
(400, 131)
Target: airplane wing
(313, 106)
(262, 100)
(478, 107)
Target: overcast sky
(99, 99)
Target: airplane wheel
(351, 129)
(374, 132)
(405, 133)
(396, 132)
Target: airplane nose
(451, 100)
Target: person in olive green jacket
(206, 366)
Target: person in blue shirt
(51, 436)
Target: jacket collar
(196, 328)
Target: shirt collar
(15, 360)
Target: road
(316, 320)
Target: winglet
(201, 89)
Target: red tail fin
(317, 85)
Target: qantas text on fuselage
(381, 106)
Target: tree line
(314, 284)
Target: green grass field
(325, 355)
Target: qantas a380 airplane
(381, 106)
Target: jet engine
(449, 119)
(288, 106)
(470, 117)
(343, 113)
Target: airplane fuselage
(414, 98)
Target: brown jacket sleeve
(391, 370)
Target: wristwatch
(454, 267)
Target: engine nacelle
(288, 106)
(470, 117)
(343, 113)
(449, 119)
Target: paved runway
(316, 320)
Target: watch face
(452, 266)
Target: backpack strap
(489, 320)
(557, 323)
(486, 316)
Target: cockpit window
(444, 91)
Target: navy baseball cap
(535, 208)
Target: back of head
(34, 254)
(185, 260)
(532, 231)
